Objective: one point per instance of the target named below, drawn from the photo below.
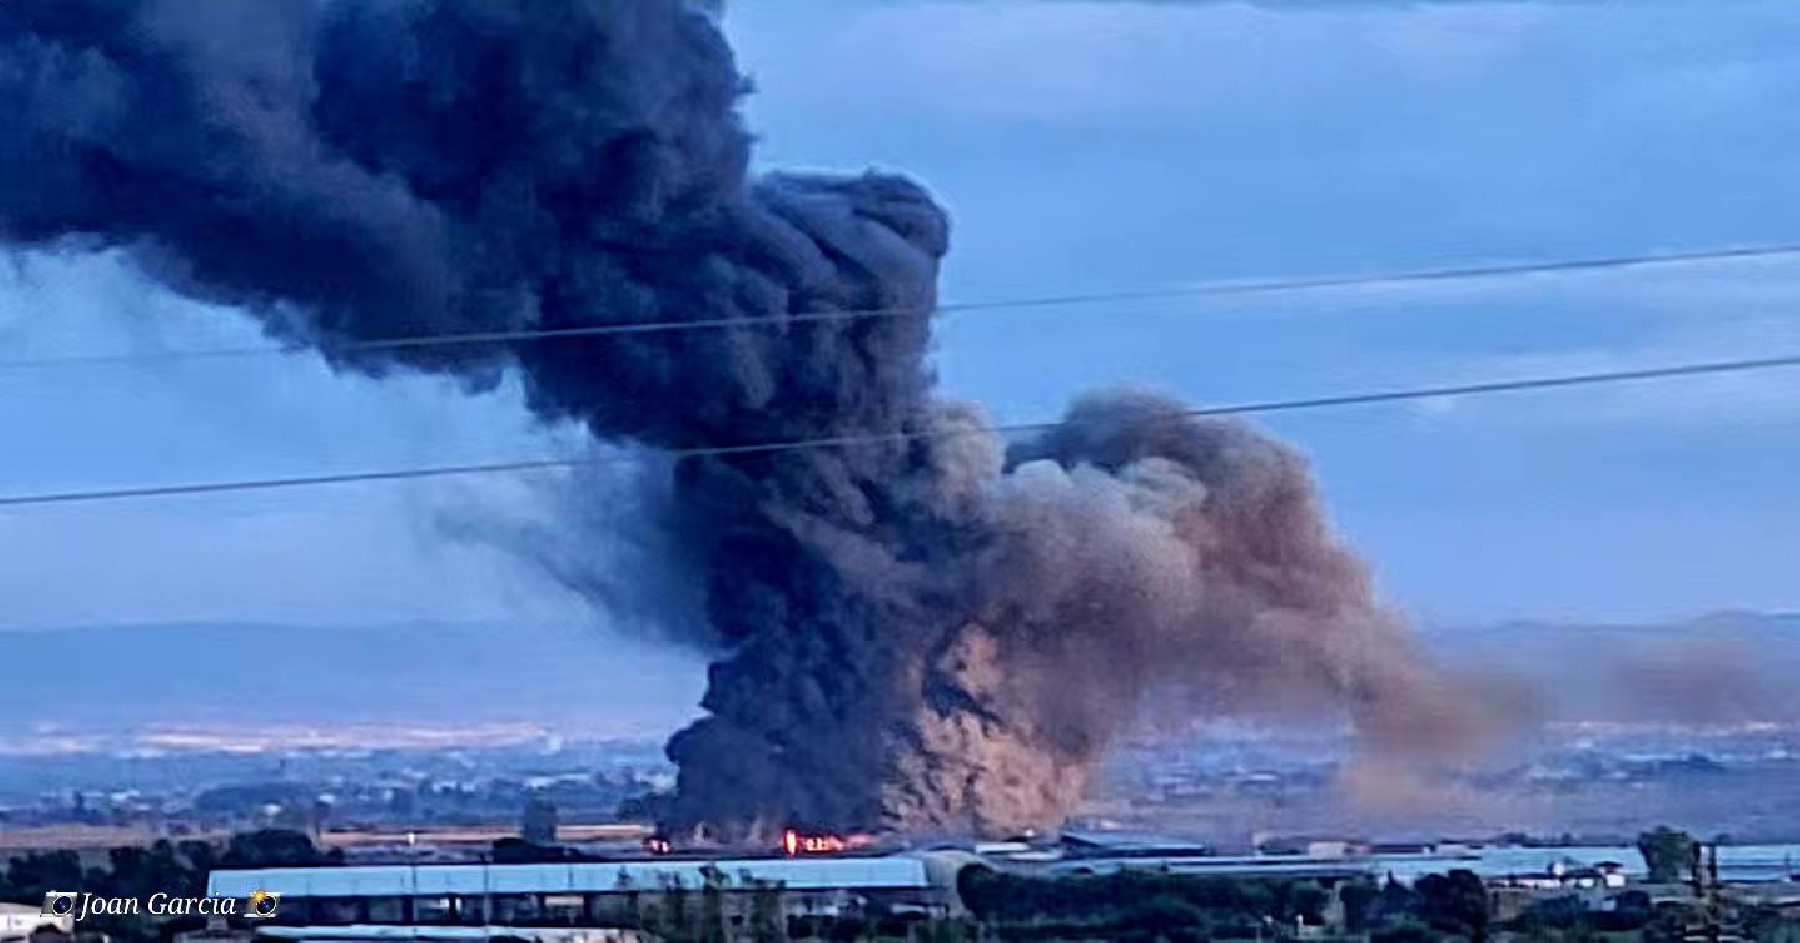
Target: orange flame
(794, 843)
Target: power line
(1242, 409)
(1225, 290)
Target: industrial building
(1078, 854)
(1327, 871)
(482, 900)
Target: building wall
(575, 910)
(587, 893)
(20, 921)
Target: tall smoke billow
(929, 632)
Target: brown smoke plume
(920, 632)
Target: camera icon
(262, 905)
(61, 903)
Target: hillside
(118, 678)
(132, 677)
(1723, 668)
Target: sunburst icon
(263, 905)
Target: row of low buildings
(456, 899)
(552, 901)
(575, 902)
(548, 902)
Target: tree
(202, 857)
(140, 872)
(1582, 932)
(275, 848)
(540, 822)
(1306, 901)
(133, 873)
(1405, 933)
(941, 931)
(36, 873)
(1670, 923)
(1667, 853)
(1162, 915)
(1632, 910)
(714, 883)
(768, 913)
(1456, 902)
(1396, 902)
(1559, 913)
(634, 903)
(1358, 898)
(516, 851)
(675, 919)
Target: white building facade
(17, 921)
(451, 901)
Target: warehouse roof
(381, 933)
(472, 879)
(1117, 842)
(1293, 867)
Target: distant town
(522, 835)
(62, 789)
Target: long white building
(451, 901)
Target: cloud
(1132, 63)
(1628, 320)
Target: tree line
(1138, 906)
(179, 869)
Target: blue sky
(1087, 146)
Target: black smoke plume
(920, 633)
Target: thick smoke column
(925, 633)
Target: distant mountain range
(1729, 667)
(136, 677)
